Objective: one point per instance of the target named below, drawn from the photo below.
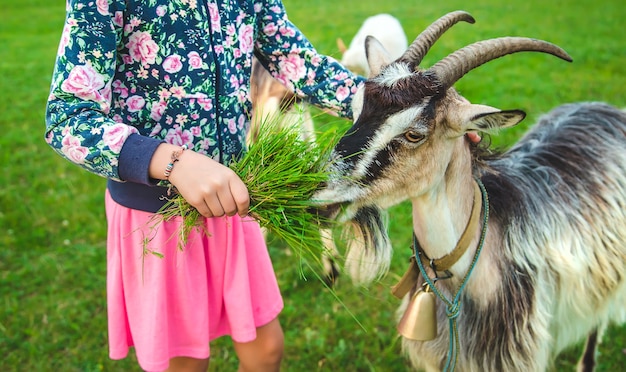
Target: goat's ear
(341, 45)
(377, 55)
(488, 119)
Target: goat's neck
(441, 214)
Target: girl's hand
(212, 188)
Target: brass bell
(419, 321)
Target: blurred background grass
(52, 227)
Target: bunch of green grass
(282, 172)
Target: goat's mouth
(328, 212)
(335, 202)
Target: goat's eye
(413, 136)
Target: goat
(271, 100)
(548, 258)
(386, 29)
(273, 103)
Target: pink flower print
(287, 31)
(142, 73)
(195, 61)
(234, 81)
(230, 30)
(228, 42)
(181, 119)
(317, 59)
(232, 126)
(157, 110)
(127, 59)
(291, 68)
(164, 93)
(115, 135)
(195, 131)
(342, 93)
(65, 39)
(179, 137)
(270, 29)
(73, 150)
(205, 144)
(142, 48)
(342, 76)
(161, 10)
(172, 64)
(66, 130)
(215, 16)
(120, 89)
(83, 82)
(135, 103)
(105, 102)
(155, 130)
(242, 121)
(178, 91)
(118, 18)
(205, 103)
(103, 6)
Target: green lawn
(52, 227)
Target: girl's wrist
(164, 160)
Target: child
(155, 93)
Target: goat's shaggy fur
(553, 267)
(557, 249)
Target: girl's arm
(293, 61)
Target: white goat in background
(386, 29)
(543, 266)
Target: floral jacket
(131, 74)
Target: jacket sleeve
(292, 60)
(78, 124)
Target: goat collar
(445, 263)
(453, 305)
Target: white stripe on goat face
(362, 184)
(396, 125)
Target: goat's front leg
(587, 362)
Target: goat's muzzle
(326, 212)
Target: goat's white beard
(368, 249)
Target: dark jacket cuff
(134, 160)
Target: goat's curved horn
(425, 40)
(452, 68)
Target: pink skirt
(220, 284)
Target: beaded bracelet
(173, 159)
